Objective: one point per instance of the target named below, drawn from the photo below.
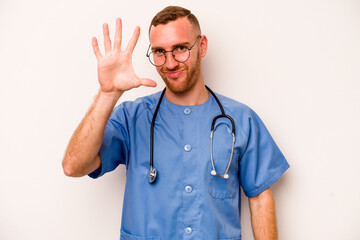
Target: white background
(295, 62)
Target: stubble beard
(191, 79)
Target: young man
(181, 184)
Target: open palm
(115, 69)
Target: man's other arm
(263, 216)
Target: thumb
(147, 82)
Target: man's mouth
(174, 74)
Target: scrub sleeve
(262, 163)
(115, 146)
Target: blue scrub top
(186, 201)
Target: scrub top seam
(137, 117)
(237, 120)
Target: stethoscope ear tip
(226, 176)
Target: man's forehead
(178, 31)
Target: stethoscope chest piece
(153, 174)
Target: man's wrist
(105, 101)
(111, 97)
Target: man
(190, 188)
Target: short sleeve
(115, 146)
(262, 162)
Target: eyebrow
(173, 46)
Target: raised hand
(115, 69)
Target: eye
(158, 51)
(180, 49)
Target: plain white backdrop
(295, 62)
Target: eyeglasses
(180, 54)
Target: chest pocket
(222, 143)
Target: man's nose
(171, 63)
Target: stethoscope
(225, 175)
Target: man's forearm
(263, 216)
(85, 143)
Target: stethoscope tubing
(153, 171)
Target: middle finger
(118, 34)
(107, 41)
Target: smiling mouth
(174, 74)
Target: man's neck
(197, 95)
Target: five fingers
(117, 39)
(117, 46)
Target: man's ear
(203, 45)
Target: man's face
(178, 77)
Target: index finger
(96, 48)
(130, 47)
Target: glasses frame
(172, 53)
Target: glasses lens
(157, 59)
(181, 54)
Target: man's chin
(176, 86)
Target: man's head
(177, 28)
